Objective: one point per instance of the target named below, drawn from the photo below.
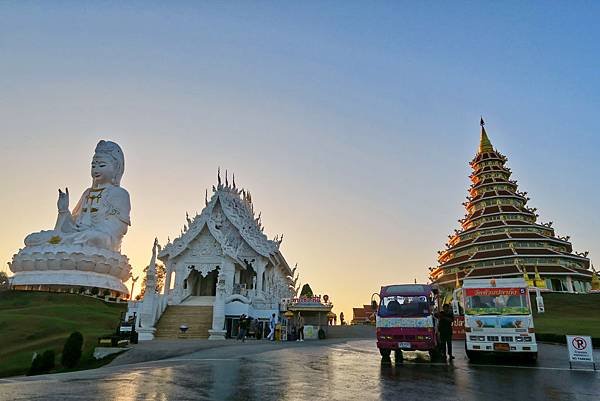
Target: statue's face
(103, 170)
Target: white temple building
(220, 267)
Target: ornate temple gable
(229, 216)
(205, 244)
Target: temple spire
(484, 143)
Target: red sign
(493, 292)
(458, 328)
(579, 343)
(303, 300)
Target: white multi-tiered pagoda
(220, 267)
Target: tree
(72, 350)
(161, 274)
(42, 363)
(3, 280)
(306, 291)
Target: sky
(352, 123)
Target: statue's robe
(100, 219)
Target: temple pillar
(261, 264)
(218, 325)
(169, 273)
(570, 284)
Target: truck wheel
(398, 358)
(385, 354)
(472, 355)
(531, 357)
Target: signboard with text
(580, 349)
(458, 328)
(493, 292)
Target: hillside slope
(36, 321)
(569, 314)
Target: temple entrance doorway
(202, 286)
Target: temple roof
(236, 206)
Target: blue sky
(352, 123)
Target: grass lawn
(37, 321)
(569, 314)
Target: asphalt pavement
(318, 370)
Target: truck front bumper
(406, 345)
(485, 346)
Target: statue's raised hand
(63, 200)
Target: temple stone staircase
(198, 319)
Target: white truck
(498, 317)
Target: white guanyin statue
(84, 247)
(101, 217)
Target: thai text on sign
(492, 292)
(458, 328)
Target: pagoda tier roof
(504, 237)
(481, 157)
(462, 243)
(495, 194)
(512, 223)
(489, 169)
(491, 181)
(508, 252)
(238, 209)
(491, 224)
(535, 251)
(493, 237)
(530, 236)
(510, 270)
(492, 254)
(497, 210)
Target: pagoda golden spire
(484, 143)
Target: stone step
(197, 318)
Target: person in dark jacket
(243, 328)
(446, 317)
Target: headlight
(519, 339)
(481, 338)
(473, 338)
(528, 339)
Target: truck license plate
(404, 345)
(501, 347)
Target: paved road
(324, 370)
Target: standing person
(272, 323)
(300, 327)
(445, 328)
(243, 328)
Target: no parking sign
(580, 349)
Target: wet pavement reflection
(319, 371)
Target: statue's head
(108, 163)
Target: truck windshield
(503, 304)
(398, 305)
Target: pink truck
(405, 320)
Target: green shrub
(48, 360)
(72, 350)
(43, 363)
(36, 366)
(105, 293)
(95, 291)
(321, 334)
